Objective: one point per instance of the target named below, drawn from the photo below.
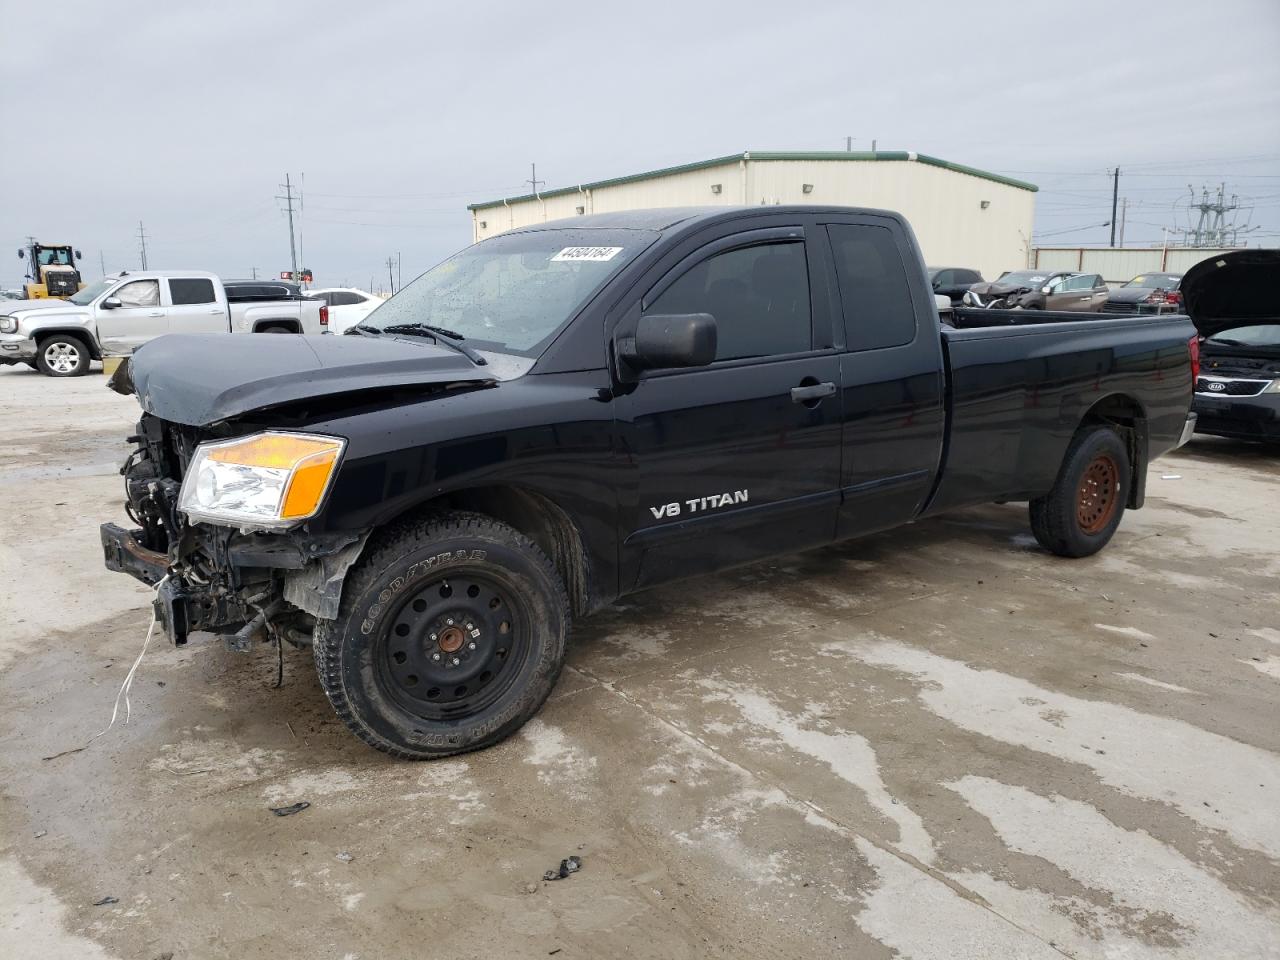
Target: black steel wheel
(450, 635)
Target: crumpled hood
(199, 380)
(1237, 289)
(995, 288)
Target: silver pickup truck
(119, 313)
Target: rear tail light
(324, 315)
(1193, 348)
(1173, 296)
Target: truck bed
(1019, 384)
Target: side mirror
(111, 303)
(943, 303)
(670, 340)
(79, 255)
(1046, 289)
(21, 254)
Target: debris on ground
(344, 857)
(567, 866)
(291, 809)
(1170, 476)
(40, 833)
(106, 901)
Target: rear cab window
(875, 293)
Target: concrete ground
(939, 742)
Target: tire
(275, 329)
(429, 597)
(62, 355)
(1080, 514)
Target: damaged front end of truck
(221, 486)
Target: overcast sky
(399, 114)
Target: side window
(758, 295)
(945, 278)
(1058, 284)
(195, 290)
(968, 276)
(874, 290)
(139, 293)
(340, 298)
(1072, 284)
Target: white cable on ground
(124, 687)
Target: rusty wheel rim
(1098, 494)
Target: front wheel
(62, 355)
(1080, 514)
(451, 634)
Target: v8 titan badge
(590, 254)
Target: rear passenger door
(890, 374)
(195, 307)
(739, 459)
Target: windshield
(87, 295)
(513, 293)
(1162, 281)
(1261, 335)
(1026, 278)
(53, 256)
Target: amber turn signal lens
(307, 486)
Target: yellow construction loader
(51, 270)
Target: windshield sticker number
(590, 254)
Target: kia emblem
(1216, 387)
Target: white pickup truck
(119, 313)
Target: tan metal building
(963, 217)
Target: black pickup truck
(567, 413)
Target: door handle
(156, 313)
(811, 393)
(215, 313)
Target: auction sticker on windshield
(595, 254)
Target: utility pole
(399, 274)
(142, 240)
(1115, 195)
(102, 262)
(1124, 209)
(848, 144)
(287, 187)
(253, 272)
(533, 180)
(391, 277)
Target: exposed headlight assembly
(1272, 387)
(8, 324)
(268, 481)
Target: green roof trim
(843, 155)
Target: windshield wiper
(361, 329)
(440, 334)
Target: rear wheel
(1081, 513)
(275, 329)
(62, 355)
(450, 636)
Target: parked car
(1041, 290)
(952, 282)
(347, 306)
(1232, 299)
(561, 415)
(1147, 293)
(121, 312)
(246, 290)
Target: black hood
(198, 380)
(1238, 289)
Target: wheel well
(539, 519)
(82, 335)
(262, 326)
(1123, 411)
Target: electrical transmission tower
(1215, 215)
(142, 244)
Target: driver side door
(140, 317)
